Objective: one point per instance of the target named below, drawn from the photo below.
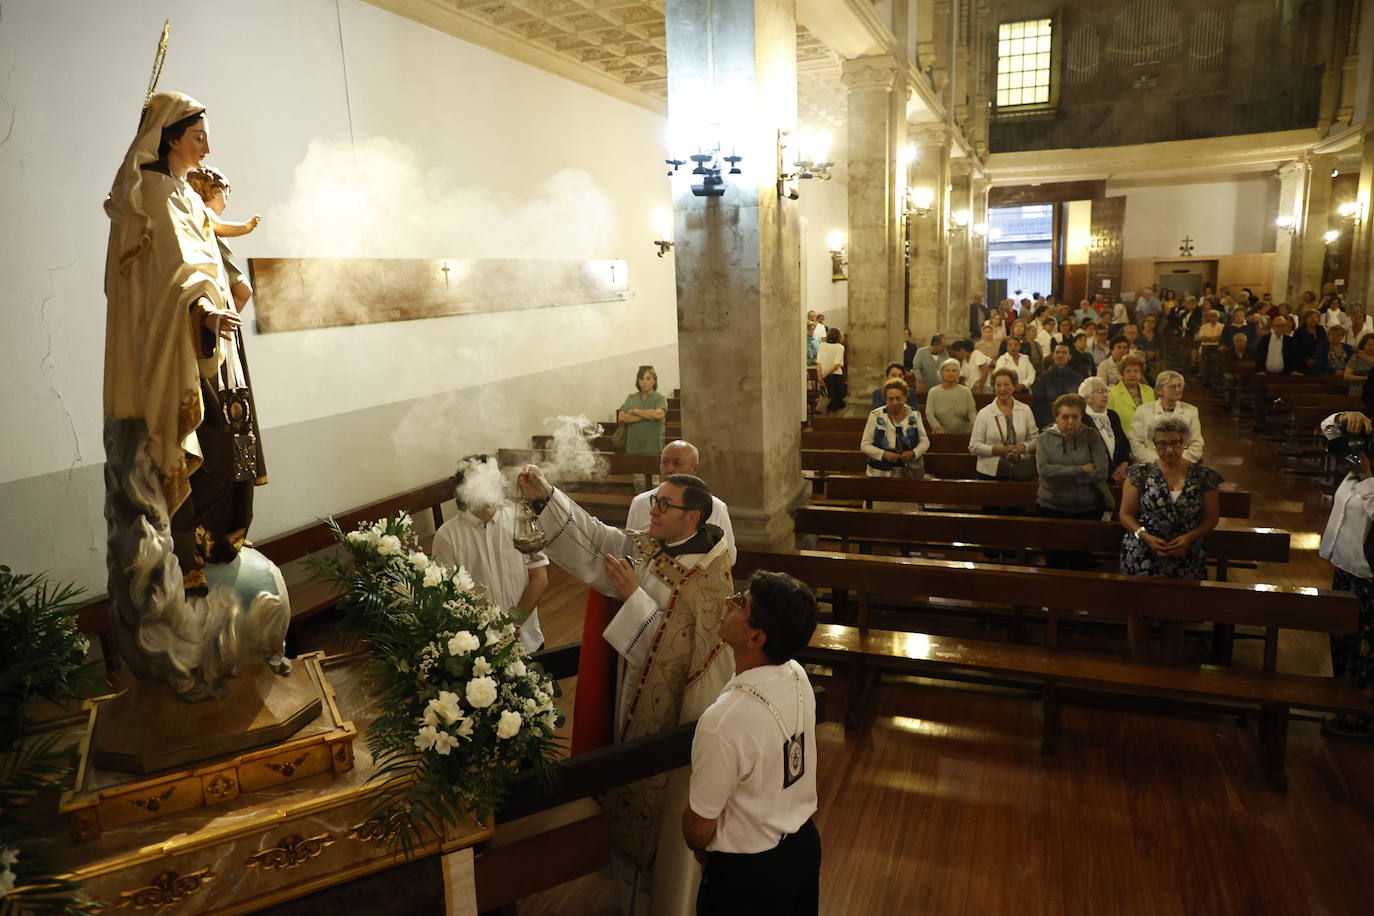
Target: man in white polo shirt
(681, 457)
(753, 787)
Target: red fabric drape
(594, 705)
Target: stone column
(1361, 259)
(956, 290)
(1316, 221)
(1288, 242)
(732, 79)
(975, 280)
(875, 238)
(925, 232)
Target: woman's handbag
(1021, 468)
(618, 437)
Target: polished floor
(941, 803)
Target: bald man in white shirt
(681, 457)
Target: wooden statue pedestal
(292, 723)
(252, 850)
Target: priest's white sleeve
(580, 546)
(631, 631)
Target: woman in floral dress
(1167, 506)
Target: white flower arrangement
(464, 708)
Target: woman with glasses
(1167, 506)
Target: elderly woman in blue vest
(895, 436)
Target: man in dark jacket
(977, 314)
(1280, 353)
(1049, 385)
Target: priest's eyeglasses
(664, 504)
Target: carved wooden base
(260, 848)
(102, 799)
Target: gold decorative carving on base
(167, 889)
(103, 800)
(376, 828)
(293, 852)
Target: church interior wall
(824, 209)
(457, 152)
(1221, 217)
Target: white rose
(388, 545)
(444, 742)
(481, 692)
(8, 856)
(425, 738)
(462, 643)
(433, 576)
(509, 725)
(445, 707)
(419, 560)
(480, 666)
(462, 580)
(516, 669)
(357, 537)
(531, 707)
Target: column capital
(928, 134)
(960, 168)
(1290, 170)
(876, 72)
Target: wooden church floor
(941, 803)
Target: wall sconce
(839, 257)
(1287, 223)
(708, 166)
(980, 230)
(1331, 236)
(958, 220)
(920, 201)
(812, 150)
(1352, 210)
(663, 222)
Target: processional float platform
(250, 831)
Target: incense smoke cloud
(483, 485)
(570, 456)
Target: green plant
(462, 708)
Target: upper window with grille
(1023, 63)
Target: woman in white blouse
(895, 436)
(1017, 362)
(1005, 429)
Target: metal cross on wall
(1186, 248)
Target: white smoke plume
(376, 199)
(483, 486)
(570, 456)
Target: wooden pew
(940, 464)
(845, 440)
(979, 493)
(1225, 545)
(1128, 598)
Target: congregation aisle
(940, 803)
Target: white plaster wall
(824, 209)
(1225, 217)
(385, 406)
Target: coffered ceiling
(614, 45)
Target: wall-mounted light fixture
(1352, 210)
(708, 165)
(807, 154)
(663, 222)
(980, 230)
(839, 256)
(959, 220)
(920, 201)
(1331, 236)
(1287, 223)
